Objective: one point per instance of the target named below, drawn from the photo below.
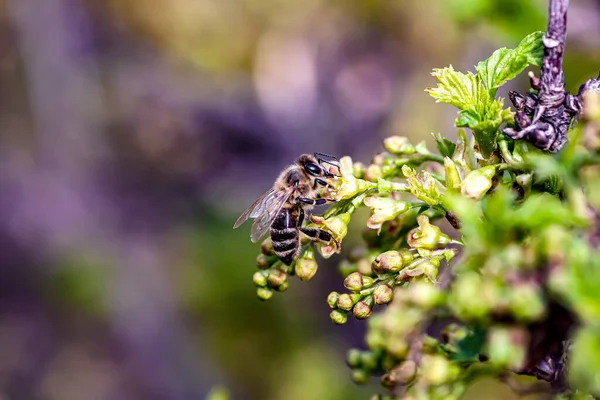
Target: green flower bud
(507, 346)
(367, 281)
(266, 247)
(354, 358)
(373, 172)
(360, 376)
(382, 294)
(477, 183)
(388, 362)
(346, 301)
(437, 370)
(390, 261)
(306, 266)
(354, 282)
(276, 277)
(465, 297)
(338, 317)
(332, 299)
(370, 360)
(427, 236)
(397, 348)
(283, 287)
(398, 145)
(358, 169)
(264, 293)
(526, 302)
(452, 175)
(259, 279)
(262, 261)
(362, 310)
(424, 295)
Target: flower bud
(332, 299)
(362, 310)
(382, 294)
(526, 302)
(358, 169)
(424, 295)
(266, 247)
(384, 209)
(350, 185)
(354, 358)
(452, 175)
(264, 293)
(283, 287)
(373, 172)
(507, 346)
(403, 373)
(477, 183)
(390, 261)
(338, 317)
(259, 279)
(345, 302)
(398, 145)
(360, 376)
(370, 360)
(437, 370)
(306, 266)
(262, 261)
(354, 282)
(276, 277)
(427, 236)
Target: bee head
(313, 164)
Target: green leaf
(584, 362)
(504, 64)
(455, 88)
(445, 147)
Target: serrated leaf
(504, 64)
(445, 147)
(455, 88)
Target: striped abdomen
(284, 235)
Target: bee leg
(315, 202)
(318, 235)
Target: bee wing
(257, 208)
(271, 210)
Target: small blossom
(266, 247)
(427, 236)
(262, 262)
(384, 209)
(354, 358)
(390, 261)
(398, 145)
(360, 376)
(437, 369)
(507, 346)
(350, 185)
(346, 301)
(478, 182)
(373, 172)
(423, 186)
(306, 266)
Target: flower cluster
(523, 295)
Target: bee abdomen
(285, 244)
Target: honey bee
(280, 210)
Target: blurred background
(132, 135)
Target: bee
(281, 210)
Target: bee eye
(313, 169)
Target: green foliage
(473, 94)
(523, 294)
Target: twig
(544, 118)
